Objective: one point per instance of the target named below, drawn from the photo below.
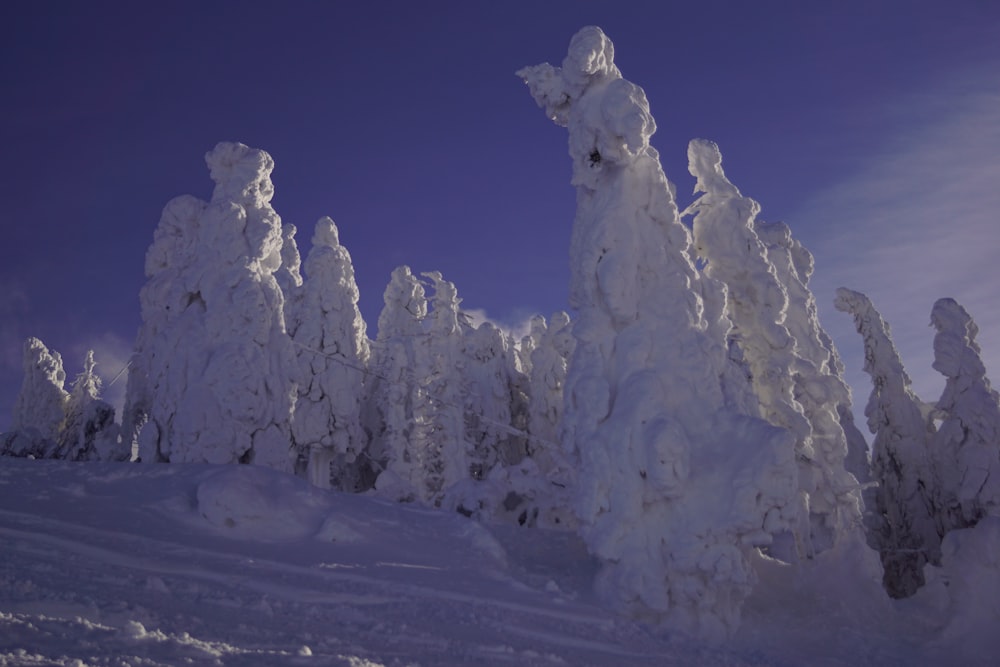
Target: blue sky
(871, 128)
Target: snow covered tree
(901, 522)
(289, 278)
(793, 392)
(211, 378)
(396, 393)
(549, 361)
(333, 351)
(40, 409)
(676, 486)
(441, 433)
(487, 395)
(528, 343)
(89, 432)
(820, 379)
(967, 443)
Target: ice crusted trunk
(211, 378)
(793, 392)
(676, 486)
(967, 443)
(333, 350)
(901, 524)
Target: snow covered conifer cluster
(936, 466)
(691, 422)
(50, 422)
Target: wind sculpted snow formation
(677, 485)
(332, 347)
(793, 391)
(967, 443)
(901, 525)
(212, 377)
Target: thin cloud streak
(919, 224)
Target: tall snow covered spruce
(212, 373)
(901, 520)
(793, 392)
(820, 377)
(967, 443)
(395, 397)
(677, 485)
(333, 350)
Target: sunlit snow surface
(126, 564)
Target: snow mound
(258, 503)
(966, 589)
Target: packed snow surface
(125, 564)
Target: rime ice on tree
(821, 372)
(211, 378)
(676, 485)
(967, 443)
(396, 396)
(40, 407)
(901, 524)
(332, 348)
(793, 392)
(90, 432)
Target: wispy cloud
(921, 222)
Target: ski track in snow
(75, 593)
(114, 564)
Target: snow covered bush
(964, 592)
(40, 410)
(211, 377)
(333, 351)
(901, 521)
(89, 432)
(51, 423)
(793, 392)
(967, 443)
(677, 486)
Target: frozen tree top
(616, 128)
(956, 352)
(876, 332)
(705, 164)
(241, 174)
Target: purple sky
(871, 128)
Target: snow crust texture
(111, 564)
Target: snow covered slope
(124, 564)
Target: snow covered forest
(688, 421)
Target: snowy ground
(124, 564)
